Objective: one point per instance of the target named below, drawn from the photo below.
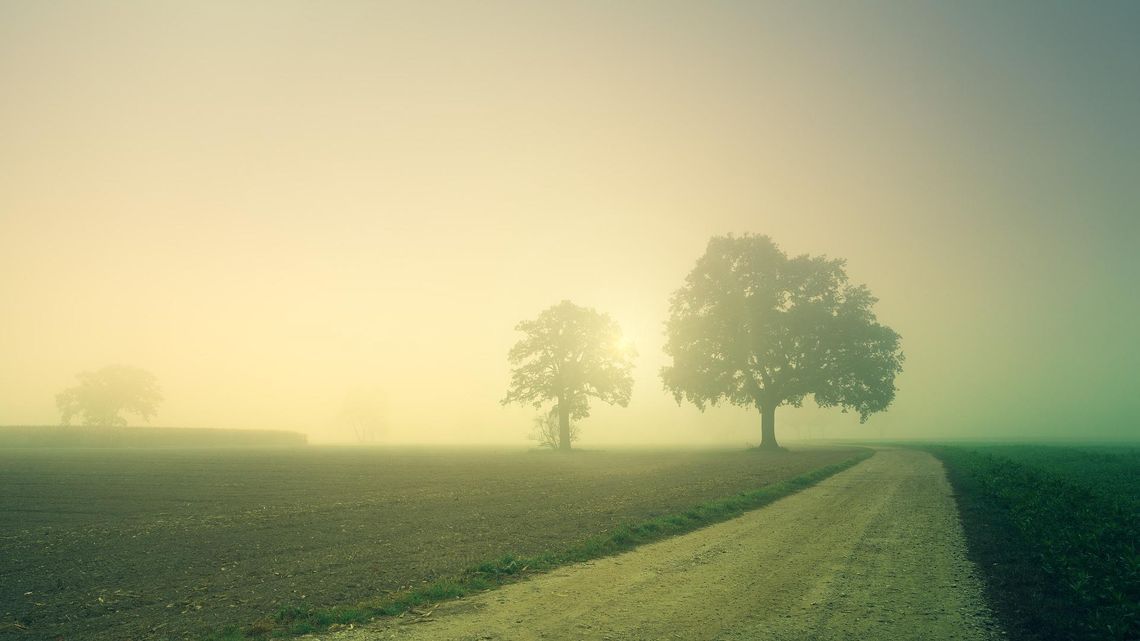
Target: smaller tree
(102, 395)
(545, 430)
(570, 354)
(363, 413)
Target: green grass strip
(296, 620)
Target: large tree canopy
(570, 354)
(102, 395)
(756, 328)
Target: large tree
(102, 395)
(569, 355)
(754, 327)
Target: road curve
(874, 552)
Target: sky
(273, 205)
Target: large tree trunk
(768, 427)
(563, 426)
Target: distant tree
(755, 328)
(545, 430)
(102, 395)
(570, 354)
(363, 413)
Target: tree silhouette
(363, 413)
(755, 328)
(101, 395)
(570, 354)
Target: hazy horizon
(271, 205)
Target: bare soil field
(171, 544)
(874, 552)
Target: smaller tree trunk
(768, 427)
(563, 426)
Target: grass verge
(1060, 557)
(297, 620)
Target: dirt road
(875, 552)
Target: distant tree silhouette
(570, 354)
(755, 328)
(102, 395)
(363, 413)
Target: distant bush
(1057, 538)
(545, 430)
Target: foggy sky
(271, 204)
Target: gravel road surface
(874, 552)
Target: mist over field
(275, 206)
